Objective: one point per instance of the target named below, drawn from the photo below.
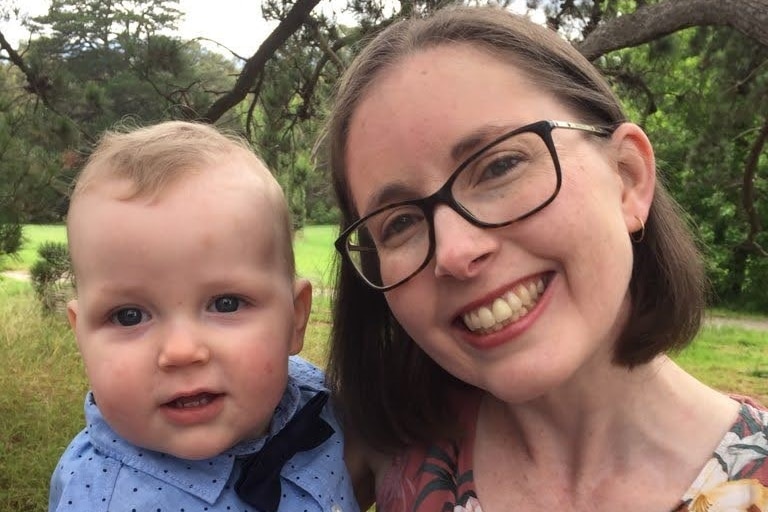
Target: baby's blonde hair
(153, 158)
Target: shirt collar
(204, 479)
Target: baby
(187, 316)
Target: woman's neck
(612, 422)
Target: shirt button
(335, 508)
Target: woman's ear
(637, 168)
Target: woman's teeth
(510, 307)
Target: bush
(52, 277)
(10, 238)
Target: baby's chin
(199, 445)
(194, 450)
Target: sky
(236, 24)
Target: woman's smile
(507, 308)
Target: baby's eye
(226, 304)
(128, 317)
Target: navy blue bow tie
(259, 481)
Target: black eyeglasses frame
(444, 195)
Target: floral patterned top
(439, 478)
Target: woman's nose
(461, 248)
(183, 344)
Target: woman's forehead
(444, 91)
(447, 100)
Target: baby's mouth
(188, 402)
(510, 307)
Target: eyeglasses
(507, 180)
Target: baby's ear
(637, 168)
(72, 313)
(302, 305)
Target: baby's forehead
(148, 180)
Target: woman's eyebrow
(476, 138)
(390, 193)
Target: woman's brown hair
(388, 389)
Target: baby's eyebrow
(120, 288)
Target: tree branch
(323, 42)
(39, 85)
(255, 64)
(651, 22)
(748, 188)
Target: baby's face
(186, 311)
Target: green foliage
(11, 238)
(700, 95)
(30, 142)
(52, 277)
(322, 211)
(98, 64)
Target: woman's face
(413, 127)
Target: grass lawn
(731, 359)
(41, 407)
(314, 253)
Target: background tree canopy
(694, 73)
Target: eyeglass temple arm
(583, 127)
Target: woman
(513, 274)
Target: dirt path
(745, 323)
(19, 275)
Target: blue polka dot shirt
(100, 471)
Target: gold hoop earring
(637, 238)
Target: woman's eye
(400, 225)
(500, 167)
(226, 304)
(128, 317)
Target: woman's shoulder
(749, 401)
(752, 421)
